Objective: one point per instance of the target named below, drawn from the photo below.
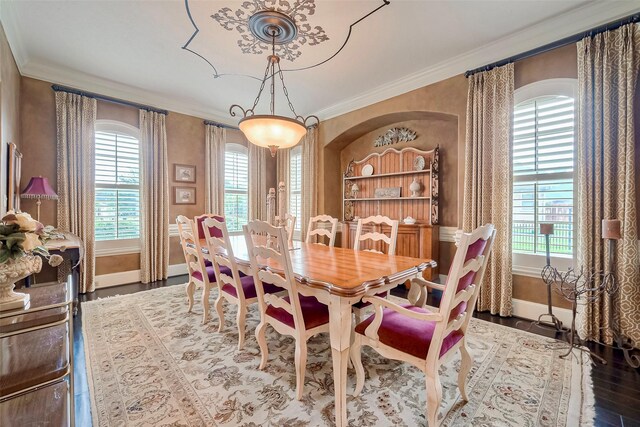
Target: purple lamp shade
(38, 188)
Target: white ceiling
(132, 49)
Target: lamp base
(14, 301)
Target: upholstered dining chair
(200, 272)
(315, 229)
(378, 220)
(427, 338)
(374, 236)
(296, 315)
(233, 286)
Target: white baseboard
(531, 310)
(132, 276)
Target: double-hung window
(236, 187)
(117, 186)
(295, 188)
(543, 167)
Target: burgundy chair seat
(249, 288)
(411, 336)
(361, 304)
(207, 263)
(211, 272)
(314, 313)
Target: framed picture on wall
(184, 173)
(184, 195)
(14, 172)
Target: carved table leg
(340, 336)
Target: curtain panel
(257, 182)
(75, 121)
(309, 178)
(154, 209)
(488, 178)
(283, 159)
(608, 68)
(215, 140)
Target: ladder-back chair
(319, 230)
(378, 220)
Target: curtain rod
(220, 125)
(559, 43)
(58, 88)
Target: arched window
(236, 187)
(117, 182)
(295, 188)
(543, 167)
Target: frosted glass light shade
(272, 132)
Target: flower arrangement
(21, 235)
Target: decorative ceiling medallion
(288, 44)
(395, 135)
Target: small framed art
(184, 195)
(184, 173)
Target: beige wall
(9, 111)
(185, 144)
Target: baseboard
(531, 310)
(132, 276)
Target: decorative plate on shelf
(367, 170)
(419, 163)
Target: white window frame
(531, 264)
(297, 233)
(121, 246)
(239, 148)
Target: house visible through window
(543, 162)
(117, 186)
(295, 189)
(236, 187)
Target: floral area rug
(150, 363)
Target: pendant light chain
(272, 61)
(286, 93)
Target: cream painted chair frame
(289, 225)
(222, 255)
(276, 236)
(194, 258)
(444, 326)
(320, 231)
(390, 240)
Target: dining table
(339, 278)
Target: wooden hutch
(389, 170)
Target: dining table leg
(340, 337)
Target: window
(295, 189)
(117, 181)
(543, 165)
(236, 187)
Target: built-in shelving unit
(385, 175)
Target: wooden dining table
(339, 278)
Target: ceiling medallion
(253, 18)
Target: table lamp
(38, 188)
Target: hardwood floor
(616, 385)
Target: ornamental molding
(395, 135)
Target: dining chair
(375, 236)
(233, 286)
(200, 272)
(320, 230)
(427, 338)
(289, 224)
(296, 315)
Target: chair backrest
(267, 244)
(321, 230)
(221, 253)
(289, 225)
(463, 284)
(375, 236)
(190, 247)
(199, 220)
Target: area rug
(151, 363)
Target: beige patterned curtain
(257, 182)
(488, 178)
(215, 139)
(283, 158)
(608, 67)
(154, 211)
(75, 118)
(309, 178)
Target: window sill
(117, 247)
(532, 264)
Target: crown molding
(10, 25)
(86, 82)
(572, 22)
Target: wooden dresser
(416, 240)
